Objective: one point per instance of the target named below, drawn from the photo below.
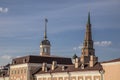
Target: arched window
(45, 50)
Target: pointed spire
(88, 18)
(45, 33)
(88, 34)
(88, 42)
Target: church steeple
(88, 52)
(88, 42)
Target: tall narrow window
(45, 50)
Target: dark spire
(88, 18)
(88, 35)
(45, 33)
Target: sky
(22, 27)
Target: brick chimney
(54, 65)
(44, 67)
(91, 62)
(77, 63)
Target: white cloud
(103, 43)
(81, 46)
(3, 10)
(78, 47)
(6, 57)
(75, 48)
(97, 43)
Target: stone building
(111, 69)
(4, 72)
(48, 67)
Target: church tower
(88, 52)
(45, 44)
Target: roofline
(110, 61)
(42, 56)
(66, 71)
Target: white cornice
(25, 65)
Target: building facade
(4, 72)
(112, 69)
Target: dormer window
(82, 66)
(24, 60)
(14, 62)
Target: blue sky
(22, 27)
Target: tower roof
(74, 56)
(45, 41)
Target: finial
(74, 56)
(88, 18)
(45, 33)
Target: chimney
(76, 63)
(91, 62)
(63, 68)
(82, 59)
(44, 67)
(54, 64)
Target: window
(45, 50)
(21, 71)
(11, 71)
(18, 71)
(24, 60)
(15, 72)
(24, 70)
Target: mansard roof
(41, 59)
(68, 68)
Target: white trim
(19, 65)
(26, 65)
(85, 72)
(34, 64)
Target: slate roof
(69, 68)
(41, 59)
